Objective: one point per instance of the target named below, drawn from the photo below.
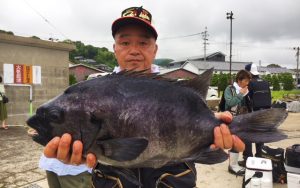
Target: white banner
(36, 75)
(8, 73)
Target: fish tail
(259, 126)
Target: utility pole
(297, 70)
(230, 16)
(204, 37)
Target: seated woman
(237, 102)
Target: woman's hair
(0, 79)
(242, 74)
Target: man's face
(135, 48)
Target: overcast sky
(263, 30)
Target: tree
(273, 66)
(214, 80)
(267, 78)
(7, 32)
(287, 81)
(100, 55)
(35, 37)
(72, 79)
(223, 81)
(164, 62)
(275, 83)
(91, 52)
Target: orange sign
(27, 74)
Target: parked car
(211, 94)
(95, 75)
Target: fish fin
(124, 172)
(135, 73)
(200, 83)
(143, 74)
(259, 126)
(209, 156)
(123, 149)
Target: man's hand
(222, 136)
(60, 148)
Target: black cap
(137, 16)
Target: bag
(261, 96)
(292, 156)
(277, 157)
(279, 104)
(223, 101)
(4, 98)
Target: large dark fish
(130, 120)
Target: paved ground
(19, 157)
(216, 176)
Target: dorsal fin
(143, 74)
(200, 83)
(134, 73)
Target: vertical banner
(8, 73)
(27, 74)
(36, 75)
(18, 74)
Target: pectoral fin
(123, 149)
(209, 156)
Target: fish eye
(55, 114)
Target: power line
(182, 36)
(46, 20)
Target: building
(196, 65)
(81, 71)
(21, 53)
(273, 70)
(177, 73)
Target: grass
(278, 95)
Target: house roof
(195, 58)
(166, 71)
(217, 65)
(275, 70)
(77, 65)
(28, 41)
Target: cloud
(262, 29)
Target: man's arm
(60, 147)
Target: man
(135, 49)
(260, 97)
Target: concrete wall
(54, 61)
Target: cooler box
(292, 165)
(293, 180)
(258, 173)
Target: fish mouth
(42, 128)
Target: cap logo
(137, 12)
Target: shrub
(72, 79)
